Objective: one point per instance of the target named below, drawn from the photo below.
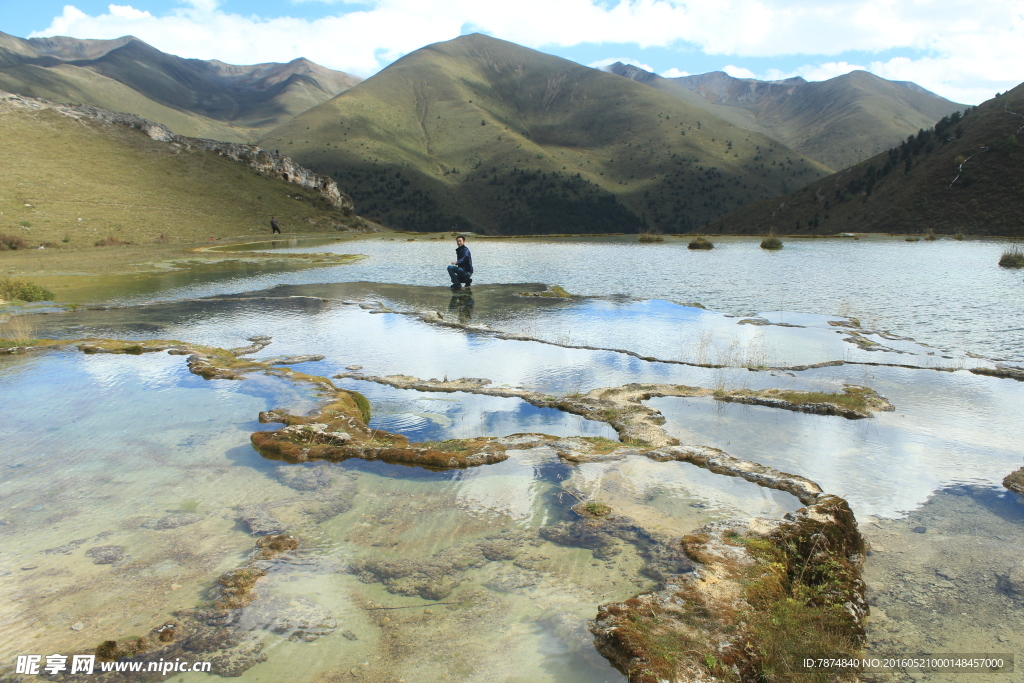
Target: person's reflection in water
(462, 305)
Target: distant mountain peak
(203, 98)
(73, 49)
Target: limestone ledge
(727, 558)
(762, 592)
(623, 407)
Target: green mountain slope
(66, 176)
(486, 135)
(838, 122)
(965, 175)
(193, 97)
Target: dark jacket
(463, 259)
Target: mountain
(490, 136)
(838, 122)
(191, 96)
(961, 176)
(79, 174)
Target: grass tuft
(447, 446)
(365, 409)
(771, 243)
(17, 331)
(700, 243)
(1012, 258)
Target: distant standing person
(461, 269)
(275, 229)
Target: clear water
(99, 449)
(945, 293)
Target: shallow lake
(130, 485)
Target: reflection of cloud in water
(426, 416)
(678, 485)
(111, 371)
(885, 465)
(509, 488)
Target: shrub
(700, 243)
(959, 237)
(1012, 258)
(23, 290)
(771, 243)
(11, 242)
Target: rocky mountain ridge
(838, 122)
(261, 160)
(199, 98)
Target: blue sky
(963, 50)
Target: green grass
(797, 593)
(448, 445)
(363, 403)
(130, 188)
(771, 243)
(602, 445)
(17, 331)
(1012, 258)
(19, 289)
(700, 243)
(565, 148)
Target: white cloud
(602, 63)
(963, 48)
(124, 12)
(738, 72)
(674, 73)
(823, 72)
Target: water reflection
(461, 306)
(157, 463)
(885, 283)
(157, 467)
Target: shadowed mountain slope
(965, 175)
(191, 96)
(481, 134)
(838, 122)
